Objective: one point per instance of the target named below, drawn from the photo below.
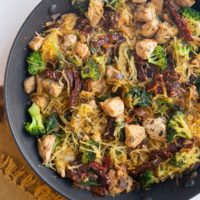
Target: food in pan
(114, 91)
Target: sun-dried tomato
(180, 22)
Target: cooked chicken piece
(144, 48)
(64, 157)
(98, 87)
(139, 1)
(159, 4)
(185, 3)
(45, 147)
(113, 73)
(69, 40)
(113, 107)
(36, 43)
(120, 181)
(156, 128)
(95, 12)
(145, 12)
(29, 85)
(165, 33)
(135, 134)
(68, 22)
(124, 17)
(196, 60)
(40, 100)
(82, 50)
(150, 28)
(52, 87)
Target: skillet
(16, 104)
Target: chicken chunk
(98, 87)
(113, 73)
(165, 33)
(135, 134)
(139, 1)
(113, 107)
(156, 128)
(82, 50)
(159, 4)
(95, 11)
(69, 40)
(45, 147)
(40, 100)
(120, 180)
(52, 87)
(64, 157)
(36, 43)
(144, 48)
(185, 3)
(145, 12)
(150, 28)
(29, 85)
(68, 22)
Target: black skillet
(16, 104)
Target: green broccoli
(190, 13)
(140, 96)
(177, 162)
(192, 18)
(51, 123)
(159, 58)
(147, 179)
(91, 70)
(80, 5)
(89, 156)
(36, 127)
(35, 63)
(177, 127)
(163, 105)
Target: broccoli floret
(163, 105)
(177, 162)
(80, 5)
(140, 96)
(89, 156)
(51, 123)
(35, 63)
(190, 13)
(159, 58)
(91, 70)
(177, 127)
(192, 18)
(36, 127)
(147, 178)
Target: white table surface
(10, 22)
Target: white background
(12, 15)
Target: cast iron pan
(16, 104)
